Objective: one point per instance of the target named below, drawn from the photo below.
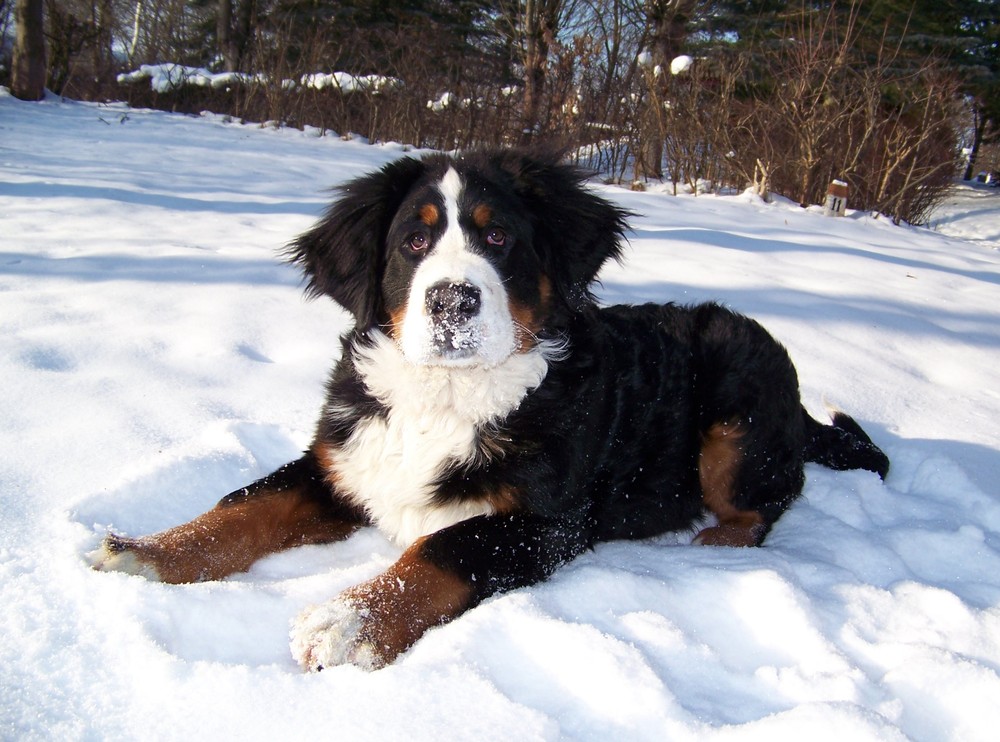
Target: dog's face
(462, 261)
(462, 284)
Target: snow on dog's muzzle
(453, 309)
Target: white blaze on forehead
(451, 188)
(452, 241)
(450, 260)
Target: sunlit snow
(155, 354)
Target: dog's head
(462, 260)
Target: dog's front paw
(371, 624)
(333, 633)
(120, 554)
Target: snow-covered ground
(154, 355)
(972, 214)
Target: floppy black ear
(344, 254)
(576, 231)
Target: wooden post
(836, 199)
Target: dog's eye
(417, 241)
(496, 237)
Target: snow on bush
(169, 77)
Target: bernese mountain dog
(495, 422)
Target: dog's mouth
(455, 341)
(457, 325)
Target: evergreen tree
(373, 36)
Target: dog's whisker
(525, 330)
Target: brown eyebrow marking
(481, 215)
(429, 214)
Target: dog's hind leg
(290, 507)
(720, 461)
(749, 475)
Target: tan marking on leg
(228, 538)
(744, 529)
(403, 602)
(718, 466)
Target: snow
(970, 214)
(348, 83)
(164, 78)
(445, 100)
(155, 355)
(681, 64)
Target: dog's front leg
(292, 506)
(435, 580)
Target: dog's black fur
(648, 417)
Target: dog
(495, 422)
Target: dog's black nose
(456, 301)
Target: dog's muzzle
(453, 309)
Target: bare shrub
(890, 130)
(823, 98)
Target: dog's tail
(842, 445)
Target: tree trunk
(538, 28)
(28, 63)
(103, 18)
(224, 34)
(234, 35)
(979, 124)
(134, 44)
(668, 22)
(246, 19)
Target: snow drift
(156, 355)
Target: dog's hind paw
(332, 634)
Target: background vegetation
(704, 94)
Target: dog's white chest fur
(390, 464)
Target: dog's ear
(343, 256)
(576, 231)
